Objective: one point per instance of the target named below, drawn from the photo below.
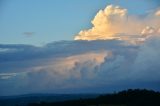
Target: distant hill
(23, 100)
(129, 97)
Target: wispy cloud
(28, 34)
(5, 76)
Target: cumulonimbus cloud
(87, 66)
(114, 22)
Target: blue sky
(54, 20)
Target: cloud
(157, 13)
(7, 75)
(85, 66)
(147, 60)
(28, 34)
(114, 21)
(148, 31)
(104, 24)
(126, 55)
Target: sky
(39, 22)
(84, 46)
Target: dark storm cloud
(80, 65)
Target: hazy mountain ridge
(129, 97)
(23, 100)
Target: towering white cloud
(114, 21)
(105, 24)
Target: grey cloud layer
(85, 66)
